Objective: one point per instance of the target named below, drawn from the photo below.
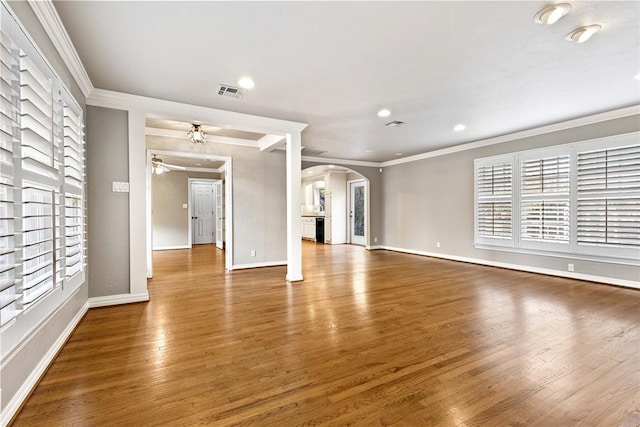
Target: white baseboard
(294, 278)
(258, 265)
(117, 299)
(18, 399)
(549, 272)
(170, 248)
(375, 248)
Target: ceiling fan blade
(175, 167)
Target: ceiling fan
(159, 167)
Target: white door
(219, 217)
(357, 213)
(202, 197)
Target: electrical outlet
(570, 267)
(437, 244)
(253, 252)
(185, 206)
(375, 240)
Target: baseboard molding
(170, 248)
(549, 272)
(258, 265)
(375, 248)
(32, 380)
(117, 299)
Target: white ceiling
(335, 64)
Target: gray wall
(17, 371)
(432, 200)
(259, 197)
(170, 220)
(108, 212)
(375, 178)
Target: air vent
(394, 123)
(312, 153)
(231, 91)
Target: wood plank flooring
(369, 338)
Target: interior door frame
(191, 181)
(366, 210)
(226, 170)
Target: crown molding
(161, 108)
(46, 13)
(326, 160)
(556, 127)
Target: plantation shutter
(494, 208)
(608, 186)
(9, 138)
(545, 208)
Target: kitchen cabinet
(309, 227)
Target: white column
(294, 225)
(137, 205)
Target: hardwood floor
(369, 338)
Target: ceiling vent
(231, 91)
(394, 123)
(312, 153)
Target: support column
(294, 225)
(137, 205)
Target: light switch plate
(120, 187)
(185, 206)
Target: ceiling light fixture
(197, 135)
(552, 13)
(459, 127)
(246, 83)
(384, 113)
(157, 166)
(582, 34)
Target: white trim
(556, 127)
(171, 248)
(53, 26)
(259, 265)
(549, 272)
(13, 406)
(269, 143)
(119, 299)
(138, 241)
(327, 160)
(375, 248)
(566, 255)
(160, 108)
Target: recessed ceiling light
(398, 154)
(368, 151)
(582, 34)
(459, 127)
(552, 13)
(637, 77)
(198, 164)
(310, 172)
(384, 113)
(331, 166)
(246, 83)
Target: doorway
(357, 213)
(203, 211)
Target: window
(608, 199)
(494, 206)
(544, 200)
(582, 199)
(42, 245)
